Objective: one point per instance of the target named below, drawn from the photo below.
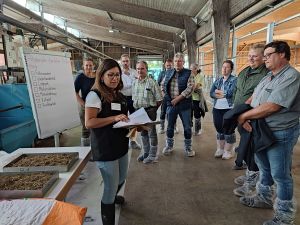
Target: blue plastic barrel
(17, 126)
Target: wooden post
(190, 30)
(43, 39)
(177, 43)
(221, 31)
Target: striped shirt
(145, 93)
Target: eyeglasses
(113, 75)
(268, 55)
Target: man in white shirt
(128, 76)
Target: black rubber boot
(108, 214)
(120, 200)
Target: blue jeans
(185, 116)
(275, 163)
(113, 174)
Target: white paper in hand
(137, 118)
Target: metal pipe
(13, 107)
(77, 41)
(10, 5)
(288, 19)
(254, 32)
(276, 24)
(7, 19)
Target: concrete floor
(176, 190)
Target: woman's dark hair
(230, 63)
(107, 93)
(280, 47)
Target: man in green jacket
(249, 77)
(247, 81)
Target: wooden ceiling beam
(106, 23)
(136, 45)
(135, 11)
(143, 31)
(120, 35)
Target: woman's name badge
(116, 106)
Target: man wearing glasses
(276, 99)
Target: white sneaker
(227, 155)
(198, 133)
(167, 150)
(219, 153)
(190, 153)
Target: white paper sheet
(139, 117)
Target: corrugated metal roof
(145, 23)
(184, 7)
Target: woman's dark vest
(182, 79)
(109, 143)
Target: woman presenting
(106, 105)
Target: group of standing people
(264, 99)
(269, 86)
(276, 100)
(107, 97)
